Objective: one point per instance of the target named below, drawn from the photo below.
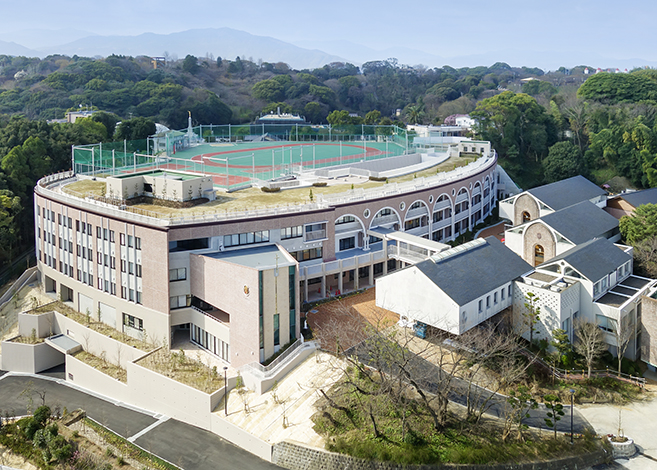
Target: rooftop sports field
(234, 164)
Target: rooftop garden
(254, 198)
(90, 322)
(184, 369)
(102, 364)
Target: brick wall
(538, 234)
(525, 203)
(649, 330)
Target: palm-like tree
(414, 114)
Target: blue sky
(617, 30)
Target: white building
(457, 289)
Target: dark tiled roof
(639, 198)
(581, 222)
(567, 192)
(593, 259)
(473, 273)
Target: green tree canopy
(640, 226)
(563, 161)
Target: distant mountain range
(229, 43)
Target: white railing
(45, 187)
(287, 355)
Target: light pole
(225, 392)
(572, 404)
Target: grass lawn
(86, 187)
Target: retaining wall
(85, 376)
(29, 358)
(295, 456)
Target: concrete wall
(156, 392)
(295, 456)
(43, 324)
(254, 380)
(168, 188)
(240, 437)
(30, 358)
(85, 376)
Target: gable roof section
(581, 222)
(639, 198)
(566, 192)
(470, 274)
(594, 259)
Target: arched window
(526, 217)
(539, 255)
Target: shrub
(266, 189)
(378, 178)
(320, 184)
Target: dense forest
(553, 126)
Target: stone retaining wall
(295, 456)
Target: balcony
(314, 235)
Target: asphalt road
(495, 404)
(187, 446)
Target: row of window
(133, 322)
(305, 255)
(261, 236)
(291, 232)
(210, 342)
(502, 296)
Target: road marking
(161, 420)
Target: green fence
(235, 155)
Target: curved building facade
(235, 281)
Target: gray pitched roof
(581, 222)
(639, 198)
(566, 192)
(593, 259)
(470, 274)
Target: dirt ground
(343, 323)
(496, 230)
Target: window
(105, 260)
(495, 298)
(292, 232)
(123, 263)
(133, 322)
(77, 225)
(138, 243)
(502, 294)
(415, 205)
(131, 295)
(539, 255)
(186, 245)
(122, 239)
(481, 306)
(510, 290)
(179, 274)
(411, 224)
(124, 291)
(111, 236)
(488, 301)
(138, 297)
(112, 262)
(347, 243)
(131, 242)
(305, 255)
(526, 217)
(100, 258)
(98, 232)
(277, 330)
(89, 231)
(249, 238)
(345, 219)
(138, 270)
(179, 301)
(59, 219)
(315, 231)
(131, 267)
(605, 324)
(105, 234)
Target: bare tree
(590, 342)
(623, 332)
(493, 363)
(531, 313)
